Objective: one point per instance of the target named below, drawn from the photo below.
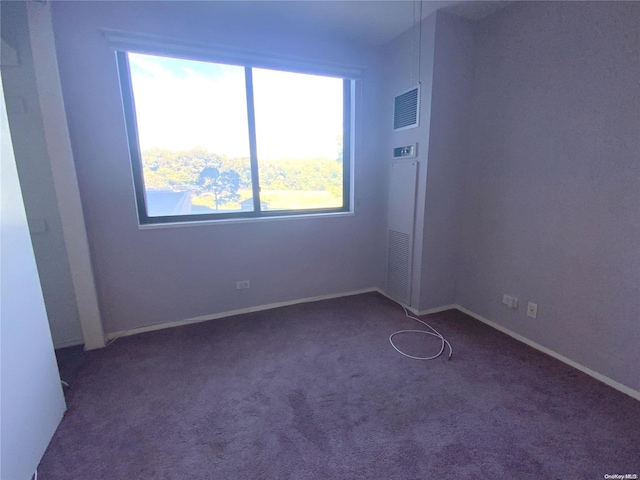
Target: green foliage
(166, 168)
(210, 174)
(301, 175)
(173, 169)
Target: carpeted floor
(315, 391)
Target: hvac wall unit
(402, 205)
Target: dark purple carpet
(315, 391)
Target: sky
(181, 104)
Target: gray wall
(401, 73)
(31, 400)
(160, 275)
(451, 102)
(552, 189)
(446, 63)
(34, 170)
(530, 185)
(528, 176)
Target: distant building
(247, 205)
(167, 202)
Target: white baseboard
(414, 310)
(215, 316)
(592, 373)
(384, 294)
(437, 310)
(69, 343)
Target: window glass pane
(299, 139)
(193, 135)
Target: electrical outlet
(532, 310)
(242, 285)
(509, 301)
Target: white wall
(155, 276)
(35, 173)
(31, 400)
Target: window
(210, 141)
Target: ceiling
(370, 22)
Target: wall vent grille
(399, 266)
(402, 205)
(406, 109)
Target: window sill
(233, 221)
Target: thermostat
(408, 151)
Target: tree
(223, 185)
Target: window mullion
(346, 144)
(255, 178)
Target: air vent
(406, 109)
(399, 266)
(401, 214)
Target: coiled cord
(433, 332)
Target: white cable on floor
(434, 333)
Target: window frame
(135, 154)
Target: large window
(210, 141)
